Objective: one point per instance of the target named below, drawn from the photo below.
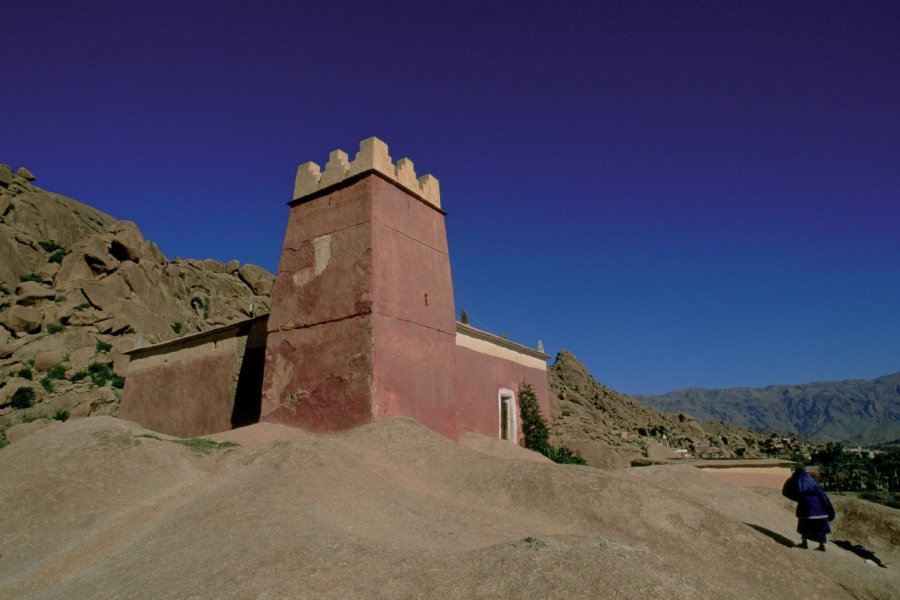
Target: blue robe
(814, 509)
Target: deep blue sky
(681, 193)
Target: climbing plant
(535, 433)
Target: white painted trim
(513, 420)
(485, 347)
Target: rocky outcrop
(78, 288)
(611, 430)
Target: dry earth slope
(100, 508)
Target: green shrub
(100, 374)
(55, 328)
(5, 305)
(4, 291)
(103, 346)
(25, 373)
(32, 417)
(535, 433)
(56, 372)
(57, 256)
(177, 327)
(81, 307)
(534, 428)
(22, 398)
(31, 277)
(61, 415)
(47, 384)
(201, 305)
(3, 440)
(49, 246)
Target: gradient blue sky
(681, 193)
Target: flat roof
(498, 341)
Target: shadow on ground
(775, 536)
(860, 550)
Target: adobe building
(362, 325)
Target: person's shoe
(803, 545)
(821, 548)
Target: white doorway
(508, 412)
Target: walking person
(814, 509)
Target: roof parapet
(372, 156)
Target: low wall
(200, 384)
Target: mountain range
(857, 412)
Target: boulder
(213, 266)
(30, 293)
(257, 278)
(113, 325)
(232, 266)
(5, 176)
(128, 243)
(23, 430)
(49, 358)
(22, 319)
(108, 293)
(25, 174)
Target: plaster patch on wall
(322, 246)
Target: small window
(507, 414)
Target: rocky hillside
(854, 412)
(612, 430)
(79, 287)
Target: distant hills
(853, 412)
(611, 430)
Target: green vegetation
(202, 305)
(49, 246)
(858, 471)
(3, 440)
(199, 445)
(31, 417)
(5, 305)
(47, 384)
(82, 306)
(22, 398)
(3, 290)
(56, 372)
(55, 328)
(31, 277)
(103, 346)
(464, 317)
(535, 432)
(100, 374)
(25, 373)
(61, 415)
(57, 256)
(177, 327)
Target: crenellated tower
(362, 323)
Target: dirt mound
(100, 508)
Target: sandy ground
(95, 509)
(772, 478)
